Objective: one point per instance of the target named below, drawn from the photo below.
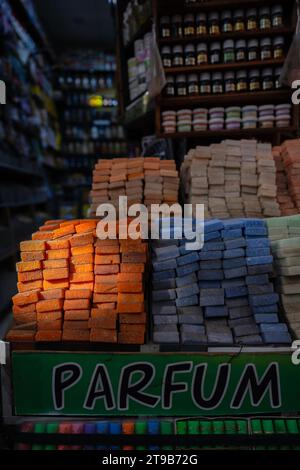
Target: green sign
(180, 384)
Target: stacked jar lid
(249, 117)
(200, 119)
(216, 119)
(230, 118)
(233, 117)
(271, 115)
(184, 120)
(169, 122)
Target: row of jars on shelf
(218, 83)
(229, 52)
(227, 21)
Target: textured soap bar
(187, 301)
(164, 308)
(187, 291)
(216, 312)
(211, 297)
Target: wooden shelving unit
(171, 7)
(225, 67)
(226, 99)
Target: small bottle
(254, 80)
(265, 18)
(252, 23)
(267, 79)
(166, 56)
(213, 20)
(266, 49)
(277, 76)
(241, 81)
(277, 16)
(239, 21)
(193, 84)
(165, 27)
(189, 55)
(226, 22)
(181, 85)
(240, 50)
(201, 24)
(228, 51)
(215, 53)
(202, 57)
(253, 50)
(217, 83)
(177, 27)
(189, 25)
(170, 86)
(205, 84)
(178, 59)
(278, 47)
(230, 84)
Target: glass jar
(278, 47)
(267, 79)
(239, 20)
(241, 81)
(228, 51)
(215, 53)
(265, 18)
(240, 50)
(177, 28)
(178, 59)
(254, 80)
(277, 16)
(170, 86)
(230, 83)
(266, 49)
(166, 56)
(165, 27)
(253, 53)
(189, 25)
(193, 84)
(213, 21)
(205, 83)
(201, 24)
(202, 57)
(226, 22)
(217, 83)
(252, 23)
(189, 55)
(181, 85)
(277, 75)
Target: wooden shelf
(222, 37)
(229, 133)
(176, 6)
(261, 97)
(225, 67)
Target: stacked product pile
(143, 180)
(74, 287)
(285, 233)
(290, 152)
(287, 206)
(220, 294)
(232, 179)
